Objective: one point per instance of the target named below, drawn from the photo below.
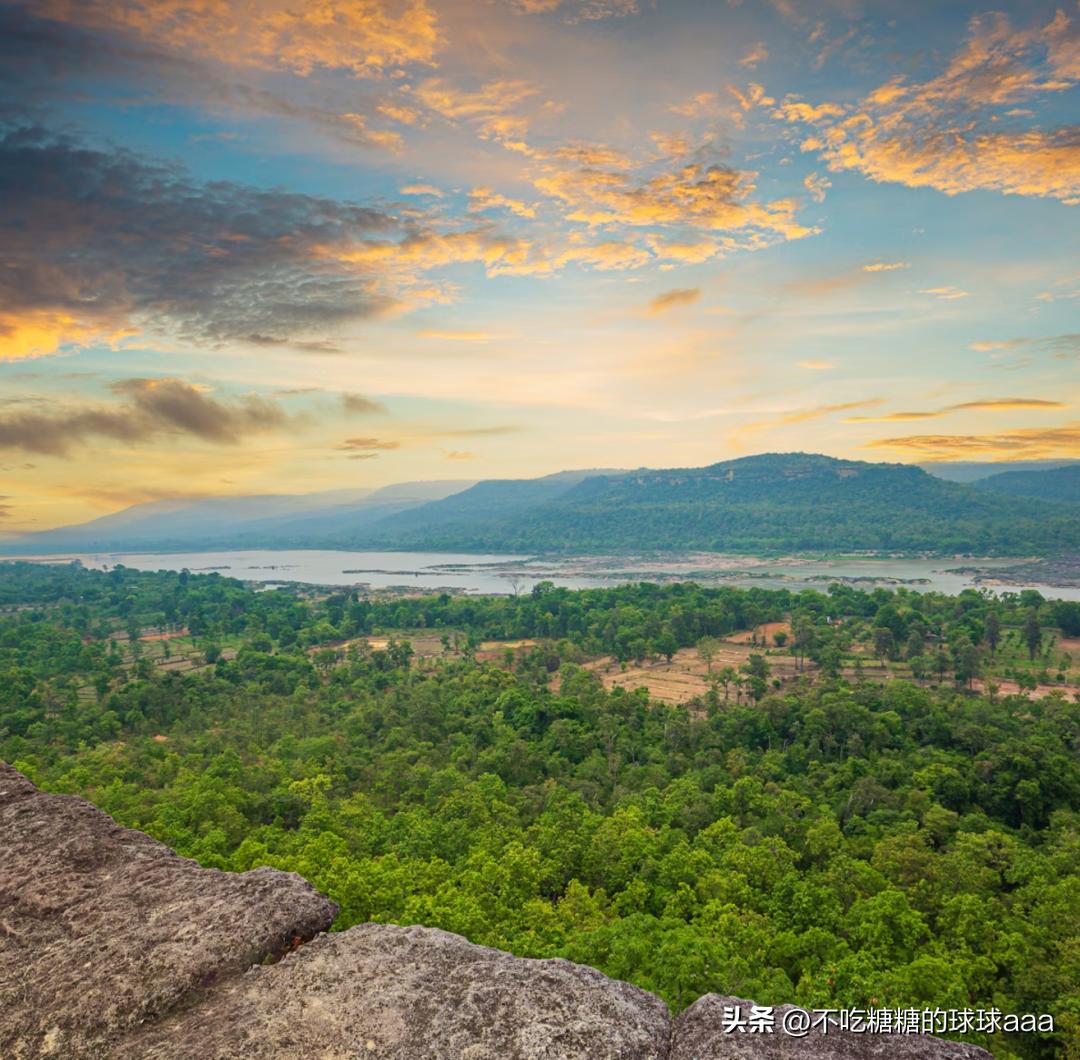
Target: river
(502, 573)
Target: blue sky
(266, 247)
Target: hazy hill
(1060, 484)
(488, 503)
(975, 470)
(236, 522)
(774, 502)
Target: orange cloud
(947, 294)
(993, 346)
(758, 53)
(702, 103)
(422, 189)
(817, 185)
(988, 405)
(1028, 444)
(672, 145)
(362, 37)
(682, 252)
(491, 107)
(885, 266)
(384, 138)
(709, 197)
(680, 296)
(486, 199)
(457, 336)
(399, 112)
(1010, 403)
(587, 10)
(944, 133)
(37, 333)
(803, 415)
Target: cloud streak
(1009, 404)
(149, 409)
(365, 38)
(680, 296)
(1020, 444)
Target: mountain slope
(978, 470)
(489, 502)
(237, 522)
(775, 502)
(1060, 484)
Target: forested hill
(774, 502)
(777, 502)
(1060, 484)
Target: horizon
(249, 253)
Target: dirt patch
(686, 677)
(1008, 687)
(764, 633)
(164, 636)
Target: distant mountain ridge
(266, 520)
(768, 503)
(776, 502)
(1060, 485)
(978, 470)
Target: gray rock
(112, 946)
(102, 928)
(414, 994)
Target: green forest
(770, 503)
(892, 820)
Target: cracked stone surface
(413, 994)
(103, 928)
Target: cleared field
(686, 676)
(764, 633)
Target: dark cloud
(315, 346)
(358, 405)
(39, 58)
(367, 444)
(149, 409)
(479, 432)
(108, 238)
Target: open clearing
(686, 676)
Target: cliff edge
(111, 945)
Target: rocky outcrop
(103, 928)
(406, 993)
(113, 946)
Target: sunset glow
(258, 246)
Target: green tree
(1032, 633)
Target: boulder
(414, 993)
(103, 928)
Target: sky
(270, 246)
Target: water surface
(502, 573)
